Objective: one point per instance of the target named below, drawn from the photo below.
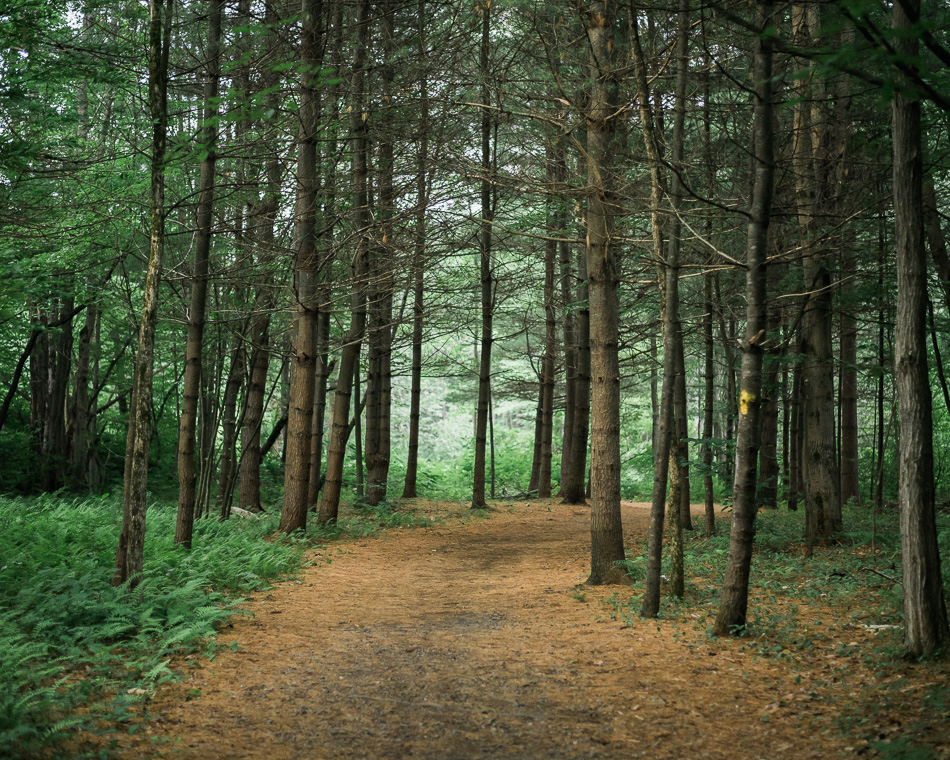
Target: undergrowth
(76, 652)
(834, 618)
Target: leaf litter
(475, 638)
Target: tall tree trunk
(820, 479)
(679, 506)
(925, 609)
(130, 552)
(293, 515)
(379, 392)
(574, 480)
(768, 441)
(602, 271)
(358, 424)
(187, 475)
(350, 357)
(409, 490)
(550, 337)
(709, 380)
(733, 603)
(795, 441)
(664, 420)
(709, 372)
(848, 389)
(569, 338)
(485, 266)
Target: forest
(279, 274)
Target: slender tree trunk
(570, 361)
(187, 475)
(938, 359)
(602, 271)
(538, 426)
(130, 552)
(550, 339)
(293, 516)
(80, 415)
(250, 468)
(820, 480)
(378, 430)
(795, 440)
(227, 473)
(733, 603)
(409, 490)
(679, 507)
(654, 389)
(883, 313)
(850, 476)
(485, 267)
(350, 357)
(936, 241)
(358, 424)
(709, 377)
(547, 408)
(574, 480)
(709, 372)
(768, 441)
(925, 609)
(49, 380)
(842, 169)
(664, 416)
(315, 482)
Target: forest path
(473, 640)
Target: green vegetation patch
(76, 652)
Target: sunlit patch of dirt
(475, 638)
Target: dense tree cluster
(691, 240)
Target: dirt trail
(473, 640)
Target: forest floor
(476, 638)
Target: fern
(59, 612)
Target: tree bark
(768, 446)
(379, 355)
(350, 357)
(574, 479)
(795, 440)
(602, 271)
(570, 352)
(709, 380)
(485, 266)
(80, 417)
(130, 552)
(293, 515)
(733, 603)
(925, 610)
(550, 337)
(322, 376)
(820, 480)
(227, 472)
(664, 415)
(410, 490)
(187, 475)
(249, 494)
